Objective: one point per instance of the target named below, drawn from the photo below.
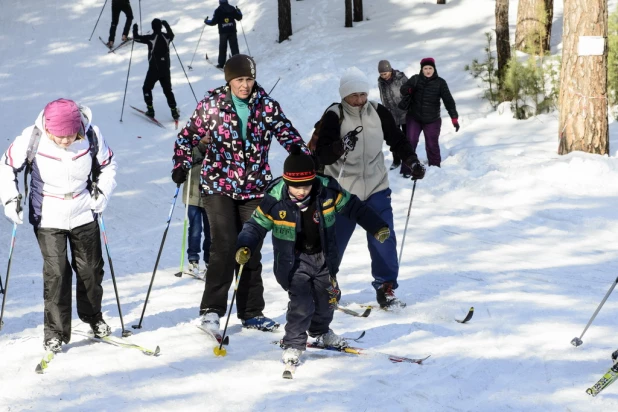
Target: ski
(213, 64)
(355, 339)
(124, 43)
(215, 336)
(604, 382)
(354, 313)
(288, 372)
(152, 119)
(194, 276)
(105, 44)
(468, 316)
(361, 351)
(110, 340)
(44, 363)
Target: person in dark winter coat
(239, 121)
(357, 162)
(158, 64)
(301, 209)
(117, 7)
(426, 89)
(63, 210)
(225, 17)
(389, 83)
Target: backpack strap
(33, 146)
(93, 142)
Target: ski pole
(140, 16)
(183, 69)
(403, 240)
(243, 34)
(125, 332)
(184, 230)
(95, 25)
(221, 351)
(127, 82)
(198, 45)
(276, 83)
(8, 268)
(169, 219)
(578, 341)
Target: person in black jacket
(158, 64)
(224, 17)
(117, 7)
(426, 89)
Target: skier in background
(426, 89)
(389, 83)
(225, 16)
(117, 7)
(63, 211)
(158, 64)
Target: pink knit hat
(62, 117)
(428, 61)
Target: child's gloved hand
(243, 255)
(334, 293)
(382, 234)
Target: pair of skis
(290, 367)
(110, 340)
(607, 379)
(113, 49)
(368, 309)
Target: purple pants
(432, 134)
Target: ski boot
(150, 111)
(260, 323)
(385, 295)
(210, 321)
(100, 329)
(331, 340)
(291, 356)
(175, 113)
(53, 345)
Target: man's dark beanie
(298, 168)
(156, 26)
(239, 65)
(384, 66)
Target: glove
(243, 255)
(455, 124)
(238, 9)
(98, 203)
(418, 171)
(382, 234)
(348, 142)
(164, 22)
(13, 210)
(179, 175)
(135, 33)
(334, 293)
(206, 20)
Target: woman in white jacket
(64, 153)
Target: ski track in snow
(525, 236)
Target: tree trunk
(348, 13)
(358, 10)
(503, 42)
(285, 20)
(441, 2)
(534, 20)
(583, 80)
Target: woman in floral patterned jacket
(238, 122)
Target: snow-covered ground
(525, 236)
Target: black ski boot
(175, 113)
(385, 295)
(150, 111)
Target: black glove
(238, 9)
(135, 30)
(418, 171)
(206, 20)
(348, 142)
(179, 175)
